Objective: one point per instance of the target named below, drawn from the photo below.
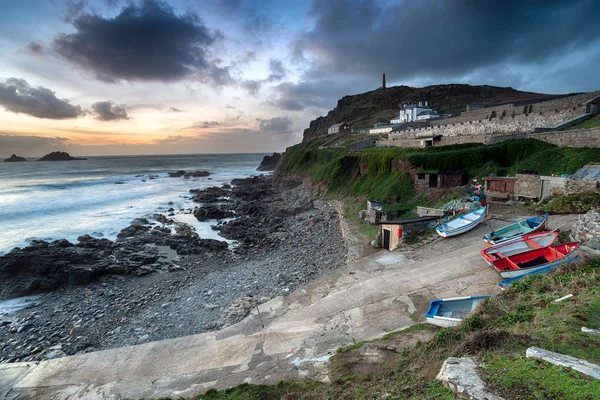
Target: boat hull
(518, 229)
(573, 256)
(452, 311)
(509, 281)
(518, 245)
(461, 224)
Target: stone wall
(499, 120)
(576, 138)
(528, 186)
(580, 186)
(587, 231)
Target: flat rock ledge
(564, 361)
(460, 376)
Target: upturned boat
(461, 224)
(519, 245)
(538, 259)
(529, 225)
(450, 312)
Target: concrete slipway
(383, 292)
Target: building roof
(593, 101)
(337, 125)
(590, 171)
(383, 126)
(451, 172)
(409, 220)
(499, 178)
(428, 112)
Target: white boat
(461, 224)
(451, 312)
(519, 245)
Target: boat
(461, 224)
(450, 312)
(529, 225)
(538, 259)
(519, 245)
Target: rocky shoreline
(159, 280)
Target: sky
(111, 77)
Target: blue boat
(529, 225)
(461, 224)
(451, 312)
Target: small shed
(497, 187)
(592, 106)
(342, 127)
(393, 233)
(450, 179)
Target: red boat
(533, 260)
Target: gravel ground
(284, 242)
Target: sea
(65, 199)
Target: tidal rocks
(177, 174)
(195, 174)
(15, 158)
(59, 156)
(269, 163)
(212, 212)
(210, 195)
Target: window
(420, 176)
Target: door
(433, 180)
(545, 188)
(386, 239)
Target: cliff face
(365, 109)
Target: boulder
(177, 174)
(196, 174)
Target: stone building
(499, 188)
(342, 127)
(394, 233)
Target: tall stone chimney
(383, 81)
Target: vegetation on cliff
(381, 174)
(365, 109)
(498, 335)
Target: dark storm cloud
(146, 41)
(109, 111)
(276, 125)
(18, 96)
(277, 70)
(441, 38)
(35, 48)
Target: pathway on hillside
(383, 292)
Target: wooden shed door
(386, 239)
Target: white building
(381, 129)
(415, 112)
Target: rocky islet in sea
(15, 158)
